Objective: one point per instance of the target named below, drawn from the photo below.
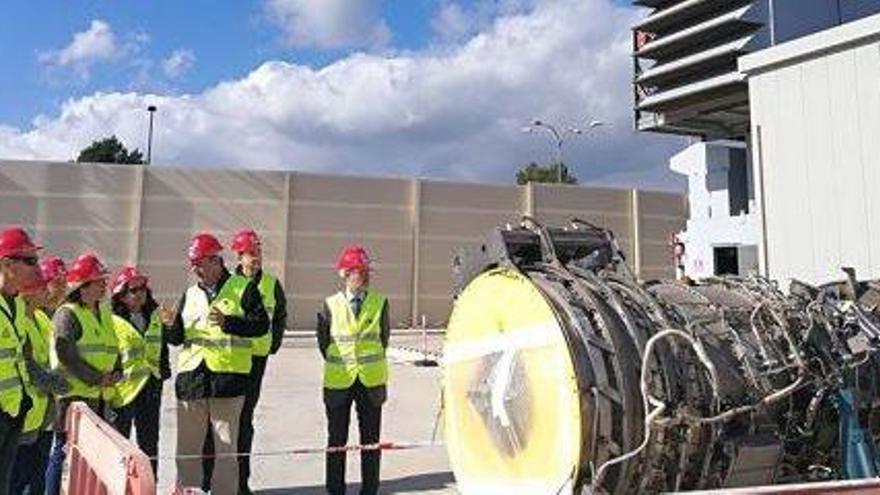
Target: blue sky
(183, 52)
(229, 38)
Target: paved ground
(290, 414)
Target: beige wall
(147, 215)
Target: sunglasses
(137, 290)
(27, 260)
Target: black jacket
(278, 318)
(202, 383)
(334, 397)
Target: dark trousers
(10, 431)
(337, 405)
(143, 413)
(31, 460)
(245, 430)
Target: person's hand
(216, 317)
(167, 314)
(110, 379)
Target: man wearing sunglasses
(18, 267)
(216, 319)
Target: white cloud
(96, 44)
(329, 23)
(451, 22)
(455, 112)
(454, 21)
(178, 63)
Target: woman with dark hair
(138, 321)
(84, 351)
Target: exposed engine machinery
(564, 374)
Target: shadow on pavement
(409, 484)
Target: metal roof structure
(685, 53)
(685, 56)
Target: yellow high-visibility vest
(266, 285)
(97, 346)
(221, 352)
(11, 382)
(355, 350)
(140, 357)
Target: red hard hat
(245, 241)
(203, 245)
(128, 277)
(52, 267)
(353, 257)
(15, 241)
(86, 268)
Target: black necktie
(356, 306)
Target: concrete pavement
(291, 415)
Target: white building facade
(815, 117)
(723, 229)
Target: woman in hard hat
(353, 332)
(138, 320)
(85, 351)
(35, 328)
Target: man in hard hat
(18, 267)
(353, 332)
(86, 352)
(246, 244)
(215, 320)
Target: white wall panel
(816, 103)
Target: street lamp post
(152, 110)
(560, 137)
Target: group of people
(62, 341)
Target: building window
(738, 183)
(726, 260)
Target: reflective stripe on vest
(97, 346)
(140, 357)
(355, 350)
(11, 381)
(263, 344)
(36, 331)
(153, 343)
(221, 352)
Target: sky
(429, 88)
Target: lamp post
(152, 110)
(560, 137)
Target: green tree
(109, 150)
(548, 174)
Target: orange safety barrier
(101, 461)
